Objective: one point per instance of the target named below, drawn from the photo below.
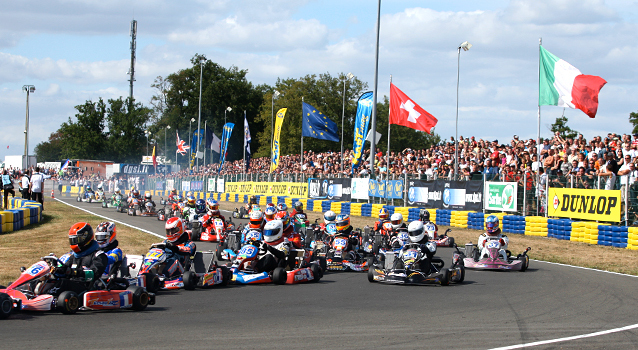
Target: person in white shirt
(24, 184)
(37, 186)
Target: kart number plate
(154, 254)
(494, 244)
(247, 251)
(340, 243)
(411, 254)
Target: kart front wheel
(68, 302)
(525, 263)
(371, 274)
(279, 276)
(317, 273)
(445, 277)
(450, 241)
(190, 280)
(140, 297)
(152, 282)
(6, 306)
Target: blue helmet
(491, 224)
(200, 206)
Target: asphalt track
(345, 311)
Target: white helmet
(397, 220)
(329, 217)
(99, 186)
(416, 231)
(273, 231)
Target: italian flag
(563, 85)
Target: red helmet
(174, 229)
(215, 213)
(106, 234)
(80, 236)
(284, 217)
(256, 219)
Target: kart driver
(270, 213)
(417, 234)
(383, 217)
(288, 230)
(344, 230)
(274, 249)
(298, 210)
(493, 232)
(178, 246)
(148, 198)
(105, 236)
(329, 217)
(172, 197)
(87, 263)
(424, 216)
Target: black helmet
(424, 215)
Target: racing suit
(178, 256)
(208, 222)
(295, 213)
(114, 254)
(273, 255)
(427, 249)
(80, 270)
(293, 237)
(484, 238)
(378, 226)
(436, 231)
(353, 242)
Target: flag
(317, 125)
(216, 144)
(228, 129)
(362, 121)
(247, 140)
(563, 85)
(65, 165)
(403, 111)
(154, 159)
(7, 146)
(208, 138)
(275, 140)
(181, 145)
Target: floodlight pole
(28, 89)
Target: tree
(324, 93)
(51, 150)
(126, 120)
(633, 119)
(177, 100)
(560, 126)
(85, 139)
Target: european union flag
(317, 125)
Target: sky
(78, 50)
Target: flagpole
(374, 97)
(538, 142)
(205, 141)
(387, 160)
(301, 166)
(245, 144)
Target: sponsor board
(359, 188)
(439, 194)
(501, 196)
(292, 189)
(595, 205)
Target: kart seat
(203, 261)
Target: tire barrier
(21, 213)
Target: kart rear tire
(140, 297)
(317, 272)
(445, 278)
(279, 275)
(525, 263)
(68, 302)
(105, 205)
(371, 275)
(226, 275)
(450, 241)
(462, 269)
(77, 199)
(219, 250)
(190, 280)
(152, 282)
(323, 263)
(370, 262)
(6, 306)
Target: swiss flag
(403, 111)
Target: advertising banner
(601, 205)
(275, 143)
(170, 184)
(292, 189)
(197, 185)
(361, 124)
(339, 189)
(220, 185)
(392, 189)
(139, 169)
(186, 185)
(501, 196)
(211, 185)
(159, 185)
(359, 188)
(317, 188)
(440, 194)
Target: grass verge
(27, 246)
(543, 248)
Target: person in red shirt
(298, 210)
(289, 231)
(383, 217)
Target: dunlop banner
(292, 189)
(601, 205)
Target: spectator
(37, 186)
(24, 185)
(7, 187)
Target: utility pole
(131, 70)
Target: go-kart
(87, 196)
(100, 196)
(241, 213)
(230, 246)
(493, 260)
(193, 225)
(134, 208)
(403, 268)
(199, 271)
(441, 240)
(301, 225)
(213, 230)
(148, 209)
(244, 273)
(116, 202)
(338, 258)
(31, 292)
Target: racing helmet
(136, 193)
(80, 236)
(282, 207)
(200, 206)
(284, 218)
(491, 225)
(424, 215)
(253, 199)
(149, 206)
(383, 214)
(191, 200)
(148, 196)
(397, 220)
(298, 207)
(99, 186)
(342, 222)
(256, 219)
(174, 229)
(212, 204)
(118, 191)
(273, 231)
(416, 231)
(253, 236)
(329, 217)
(105, 234)
(215, 213)
(173, 191)
(189, 194)
(270, 212)
(179, 198)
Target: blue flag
(195, 143)
(228, 129)
(317, 125)
(364, 113)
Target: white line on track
(587, 268)
(119, 222)
(576, 337)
